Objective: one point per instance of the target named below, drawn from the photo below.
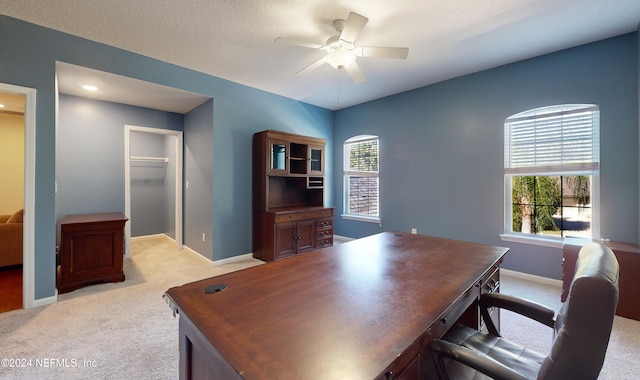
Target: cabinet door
(305, 235)
(278, 157)
(285, 239)
(316, 160)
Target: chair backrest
(583, 325)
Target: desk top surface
(345, 311)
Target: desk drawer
(302, 215)
(491, 282)
(453, 313)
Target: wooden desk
(365, 309)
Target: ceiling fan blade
(297, 42)
(355, 73)
(312, 66)
(352, 27)
(384, 52)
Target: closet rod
(150, 159)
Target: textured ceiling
(234, 40)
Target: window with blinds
(553, 139)
(551, 160)
(361, 186)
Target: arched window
(551, 161)
(361, 185)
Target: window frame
(592, 169)
(355, 173)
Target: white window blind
(361, 176)
(553, 139)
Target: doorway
(150, 170)
(19, 104)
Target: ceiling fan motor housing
(338, 24)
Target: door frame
(127, 181)
(28, 225)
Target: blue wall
(90, 155)
(198, 172)
(29, 53)
(441, 147)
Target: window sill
(534, 240)
(370, 219)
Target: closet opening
(153, 183)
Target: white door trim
(28, 234)
(127, 180)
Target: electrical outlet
(204, 237)
(414, 231)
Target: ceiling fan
(342, 50)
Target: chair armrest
(530, 309)
(475, 360)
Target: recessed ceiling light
(90, 88)
(1, 105)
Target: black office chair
(582, 330)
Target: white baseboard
(342, 238)
(46, 301)
(219, 262)
(531, 277)
(195, 253)
(233, 259)
(143, 237)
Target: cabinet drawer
(324, 223)
(327, 232)
(449, 317)
(324, 242)
(302, 215)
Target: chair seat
(524, 361)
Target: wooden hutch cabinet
(289, 216)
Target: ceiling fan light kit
(342, 50)
(341, 58)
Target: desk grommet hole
(215, 288)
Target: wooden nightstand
(92, 250)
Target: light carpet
(126, 330)
(622, 360)
(108, 331)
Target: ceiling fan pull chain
(338, 89)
